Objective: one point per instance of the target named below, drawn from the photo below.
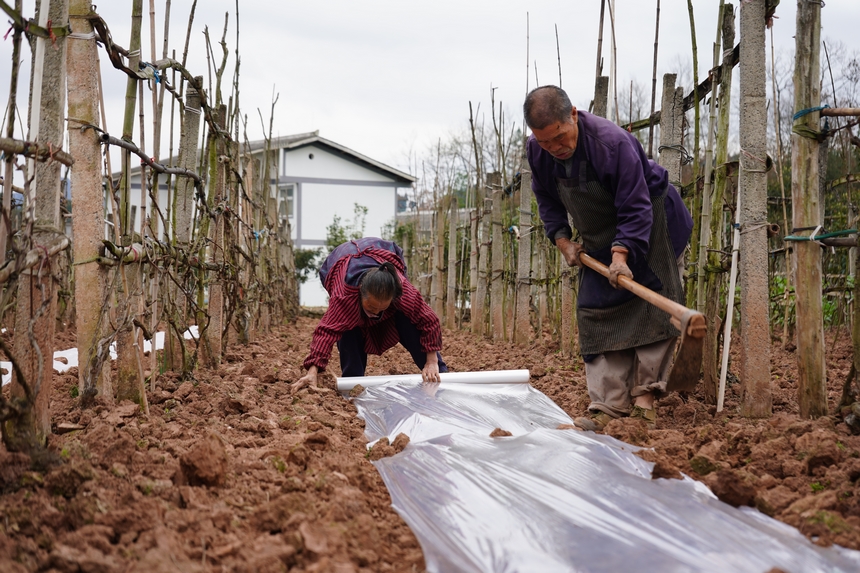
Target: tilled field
(234, 471)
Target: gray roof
(313, 138)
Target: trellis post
(36, 307)
(756, 401)
(88, 224)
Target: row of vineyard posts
(213, 256)
(484, 263)
(216, 256)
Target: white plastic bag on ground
(549, 500)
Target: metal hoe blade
(684, 375)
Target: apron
(615, 319)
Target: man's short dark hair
(546, 105)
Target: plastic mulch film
(549, 500)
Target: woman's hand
(308, 379)
(430, 373)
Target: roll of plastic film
(344, 385)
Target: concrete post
(88, 224)
(523, 330)
(756, 400)
(671, 128)
(497, 279)
(36, 306)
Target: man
(630, 218)
(372, 307)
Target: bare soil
(234, 472)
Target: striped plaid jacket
(340, 275)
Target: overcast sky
(387, 77)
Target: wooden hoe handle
(695, 320)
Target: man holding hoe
(629, 217)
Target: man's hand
(430, 373)
(570, 251)
(619, 266)
(307, 380)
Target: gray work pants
(615, 377)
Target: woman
(372, 307)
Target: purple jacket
(624, 170)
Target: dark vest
(608, 318)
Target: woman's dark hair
(382, 282)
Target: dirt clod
(500, 433)
(205, 463)
(731, 488)
(400, 442)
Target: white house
(318, 179)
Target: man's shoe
(594, 422)
(648, 415)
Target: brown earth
(234, 472)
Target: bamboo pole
(841, 112)
(697, 199)
(705, 226)
(653, 85)
(756, 399)
(730, 310)
(6, 215)
(36, 306)
(128, 385)
(613, 68)
(599, 66)
(714, 275)
(778, 130)
(88, 222)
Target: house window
(286, 198)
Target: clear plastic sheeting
(425, 411)
(558, 500)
